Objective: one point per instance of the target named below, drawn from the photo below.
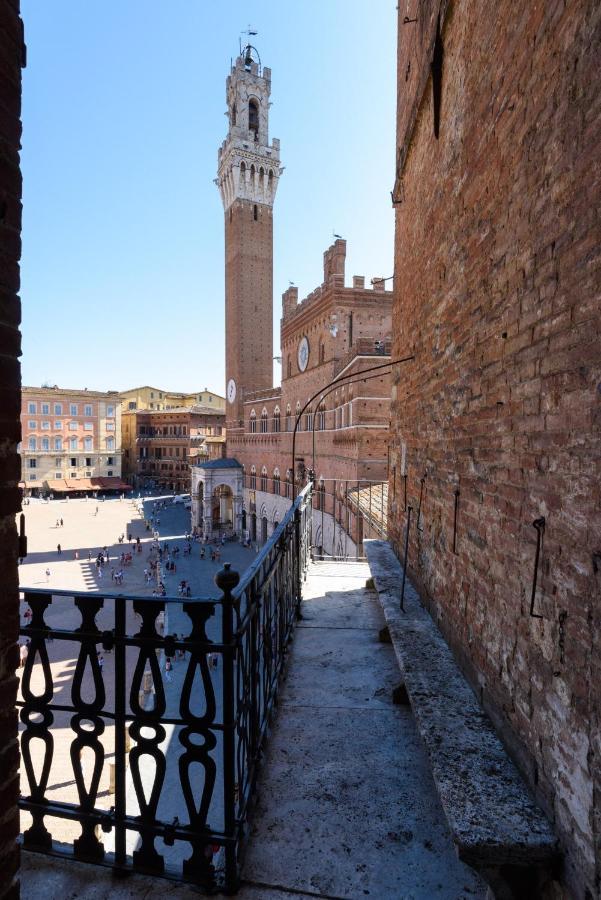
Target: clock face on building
(231, 390)
(303, 353)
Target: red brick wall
(11, 44)
(248, 300)
(497, 294)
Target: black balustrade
(183, 764)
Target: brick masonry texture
(497, 294)
(11, 44)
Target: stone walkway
(346, 804)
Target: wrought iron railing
(183, 761)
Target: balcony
(363, 347)
(343, 805)
(145, 766)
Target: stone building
(336, 330)
(70, 441)
(496, 423)
(147, 397)
(159, 446)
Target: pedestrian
(96, 513)
(168, 676)
(23, 652)
(58, 549)
(62, 523)
(89, 556)
(47, 575)
(112, 574)
(100, 658)
(58, 524)
(215, 660)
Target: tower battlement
(248, 165)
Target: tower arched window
(264, 479)
(253, 422)
(276, 419)
(233, 113)
(264, 421)
(253, 117)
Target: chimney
(358, 281)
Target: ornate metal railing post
(120, 743)
(297, 560)
(226, 580)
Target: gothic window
(253, 422)
(276, 481)
(233, 113)
(289, 367)
(264, 421)
(276, 419)
(253, 478)
(288, 483)
(309, 425)
(253, 116)
(296, 419)
(321, 419)
(288, 418)
(263, 479)
(321, 495)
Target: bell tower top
(248, 165)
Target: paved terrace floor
(346, 804)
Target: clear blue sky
(123, 112)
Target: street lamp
(332, 384)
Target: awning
(110, 483)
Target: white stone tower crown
(248, 165)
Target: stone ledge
(493, 819)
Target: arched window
(288, 483)
(46, 444)
(297, 411)
(73, 443)
(289, 367)
(253, 478)
(309, 419)
(320, 494)
(253, 116)
(110, 443)
(263, 479)
(288, 418)
(264, 421)
(32, 443)
(276, 481)
(233, 113)
(253, 422)
(58, 443)
(276, 419)
(322, 352)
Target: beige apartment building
(70, 441)
(147, 397)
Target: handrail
(252, 570)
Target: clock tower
(247, 177)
